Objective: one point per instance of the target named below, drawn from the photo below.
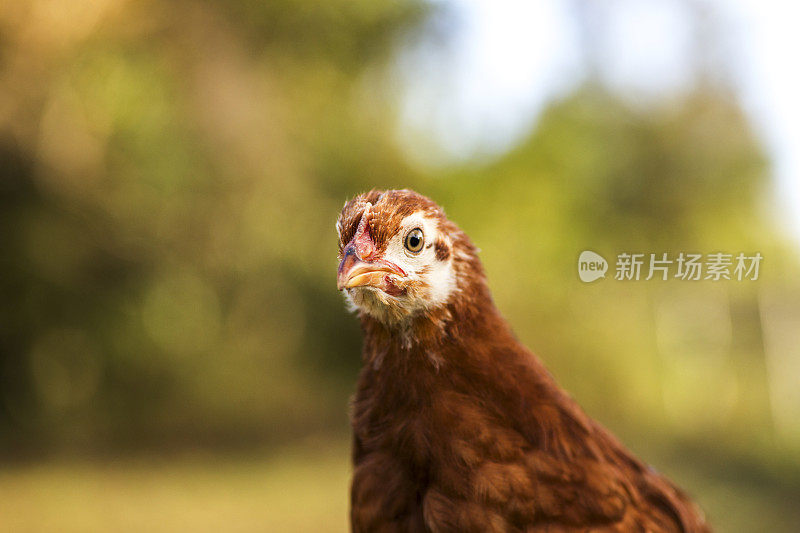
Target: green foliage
(171, 189)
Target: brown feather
(463, 429)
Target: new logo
(591, 266)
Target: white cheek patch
(430, 280)
(441, 281)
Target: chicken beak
(362, 265)
(354, 272)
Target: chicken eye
(414, 240)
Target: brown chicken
(457, 427)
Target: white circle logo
(591, 266)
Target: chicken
(457, 427)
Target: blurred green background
(174, 355)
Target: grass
(303, 488)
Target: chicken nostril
(348, 259)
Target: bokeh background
(174, 355)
